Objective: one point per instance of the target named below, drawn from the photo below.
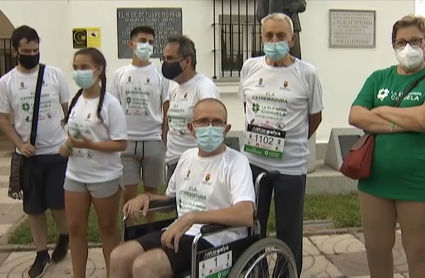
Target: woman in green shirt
(395, 189)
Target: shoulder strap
(36, 108)
(408, 89)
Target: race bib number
(264, 141)
(216, 267)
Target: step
(5, 166)
(5, 144)
(326, 180)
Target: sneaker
(42, 261)
(61, 249)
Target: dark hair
(24, 32)
(186, 47)
(100, 61)
(142, 29)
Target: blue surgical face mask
(84, 78)
(209, 138)
(143, 51)
(276, 50)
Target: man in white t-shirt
(44, 189)
(283, 104)
(212, 184)
(144, 96)
(179, 64)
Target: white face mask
(409, 57)
(143, 51)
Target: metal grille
(7, 62)
(236, 36)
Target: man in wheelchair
(212, 184)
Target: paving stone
(4, 199)
(3, 257)
(319, 267)
(18, 263)
(338, 244)
(353, 264)
(4, 228)
(399, 255)
(309, 249)
(11, 213)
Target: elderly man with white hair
(283, 103)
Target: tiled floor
(333, 256)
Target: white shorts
(97, 190)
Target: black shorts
(180, 261)
(45, 187)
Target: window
(7, 62)
(239, 40)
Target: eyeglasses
(415, 42)
(207, 122)
(170, 60)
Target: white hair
(278, 17)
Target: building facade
(225, 33)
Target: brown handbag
(21, 166)
(358, 162)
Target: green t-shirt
(398, 166)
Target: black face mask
(171, 70)
(29, 61)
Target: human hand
(83, 142)
(27, 150)
(65, 150)
(171, 237)
(132, 208)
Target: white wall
(342, 71)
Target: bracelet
(149, 196)
(392, 127)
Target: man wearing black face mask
(44, 189)
(179, 64)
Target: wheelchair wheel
(255, 261)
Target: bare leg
(38, 226)
(77, 210)
(412, 222)
(60, 219)
(129, 192)
(378, 221)
(153, 263)
(122, 259)
(150, 216)
(107, 216)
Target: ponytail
(73, 102)
(102, 95)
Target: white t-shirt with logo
(17, 91)
(183, 98)
(211, 183)
(90, 166)
(278, 104)
(141, 91)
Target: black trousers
(289, 192)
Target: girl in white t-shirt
(97, 133)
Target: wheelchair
(245, 257)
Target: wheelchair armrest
(213, 228)
(166, 205)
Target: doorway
(7, 62)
